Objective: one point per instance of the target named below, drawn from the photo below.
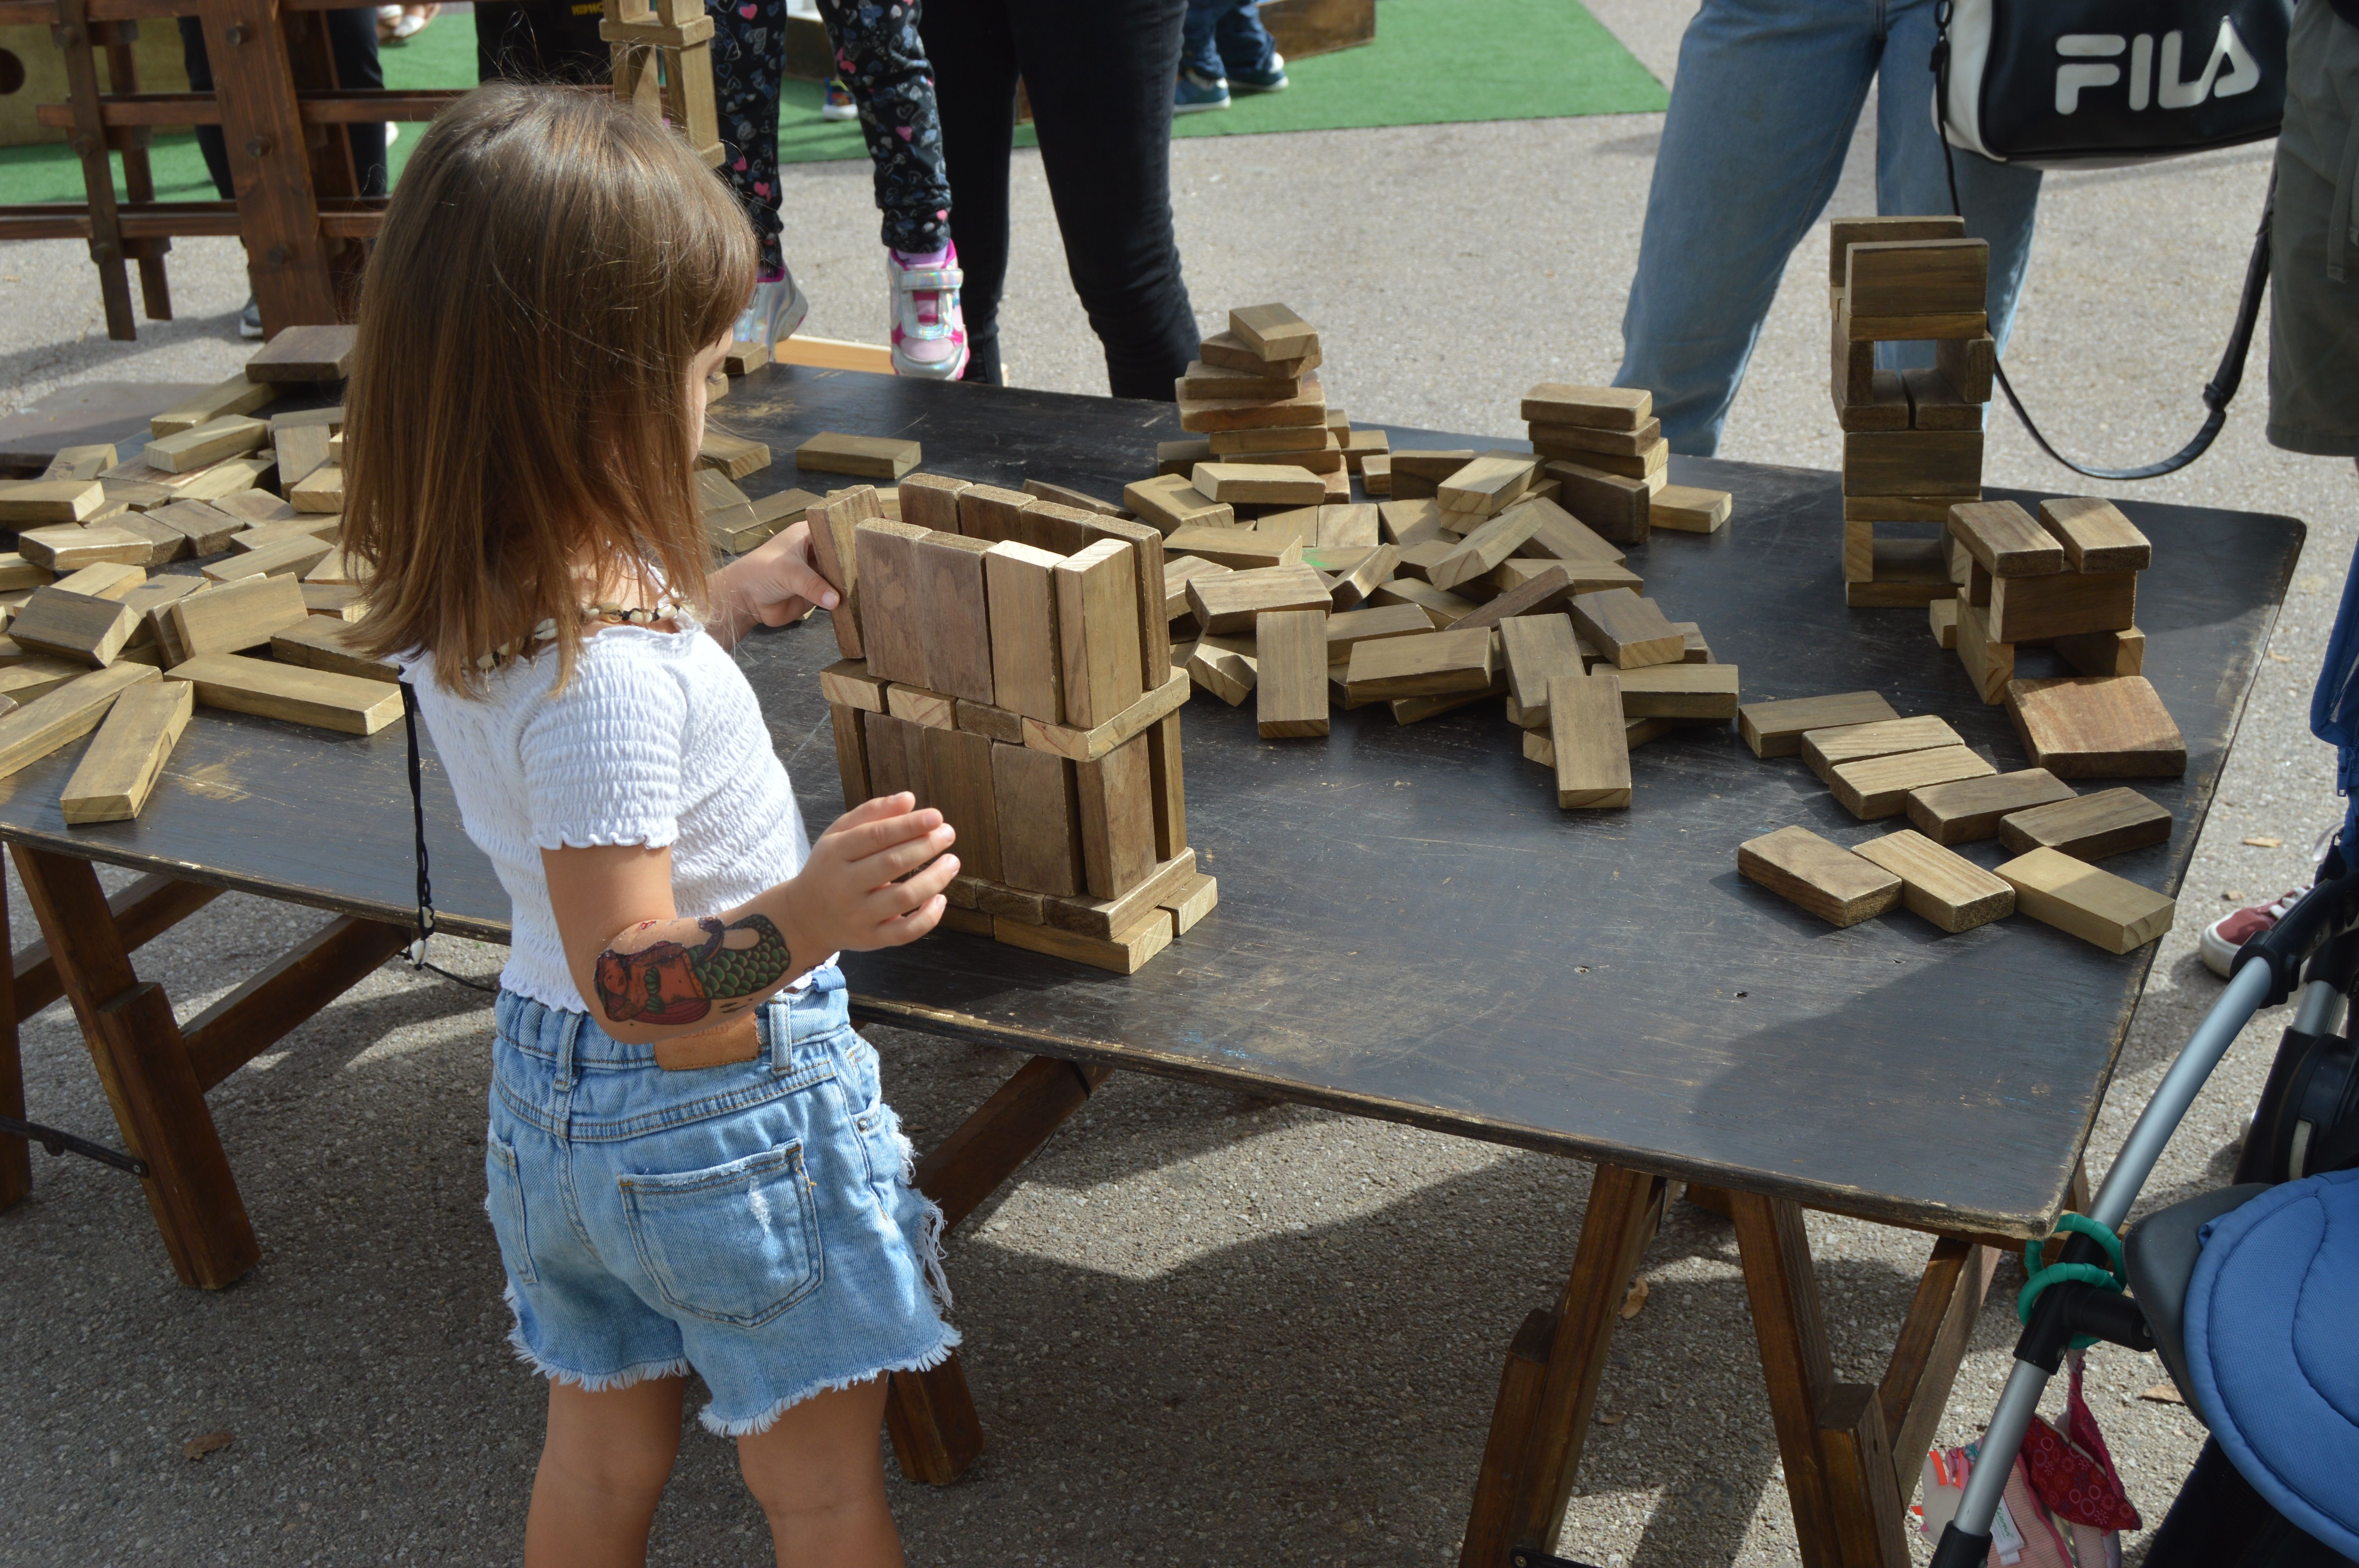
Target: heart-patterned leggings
(880, 59)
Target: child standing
(689, 1165)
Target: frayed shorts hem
(754, 1425)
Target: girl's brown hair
(552, 265)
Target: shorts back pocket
(504, 1201)
(736, 1243)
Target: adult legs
(1761, 116)
(201, 80)
(819, 1477)
(538, 40)
(352, 40)
(881, 58)
(602, 1468)
(974, 53)
(1100, 75)
(1245, 43)
(1200, 50)
(749, 56)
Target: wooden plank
(31, 676)
(1258, 484)
(1230, 604)
(1416, 710)
(1912, 462)
(1884, 406)
(2074, 896)
(1589, 439)
(1239, 550)
(1651, 464)
(1934, 403)
(1166, 776)
(64, 713)
(955, 614)
(1965, 810)
(1039, 820)
(1538, 649)
(1824, 879)
(862, 457)
(1026, 667)
(234, 437)
(1172, 502)
(2094, 534)
(1200, 381)
(1291, 652)
(1916, 277)
(1407, 522)
(995, 723)
(1822, 748)
(1432, 463)
(1193, 900)
(1273, 331)
(2119, 653)
(960, 784)
(1933, 1340)
(2033, 609)
(1939, 885)
(1989, 664)
(1126, 954)
(1226, 667)
(1488, 485)
(1105, 918)
(127, 757)
(1560, 535)
(1877, 787)
(1146, 558)
(1485, 547)
(1941, 620)
(1177, 571)
(891, 619)
(1433, 665)
(66, 548)
(2004, 538)
(851, 751)
(303, 354)
(1208, 414)
(232, 617)
(1117, 817)
(1350, 525)
(931, 710)
(1690, 508)
(1844, 232)
(1097, 633)
(2088, 826)
(236, 395)
(302, 449)
(1681, 691)
(1626, 631)
(1590, 749)
(1087, 745)
(75, 626)
(320, 698)
(1442, 607)
(848, 683)
(317, 643)
(834, 524)
(1906, 508)
(289, 558)
(896, 758)
(1232, 351)
(2086, 727)
(1356, 571)
(1907, 573)
(206, 527)
(1616, 508)
(1599, 407)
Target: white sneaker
(929, 328)
(773, 313)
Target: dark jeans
(1099, 73)
(352, 40)
(1223, 35)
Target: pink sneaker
(928, 329)
(2224, 936)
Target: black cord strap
(417, 822)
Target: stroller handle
(2325, 913)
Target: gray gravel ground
(1200, 1329)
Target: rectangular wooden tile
(960, 783)
(2094, 534)
(1586, 735)
(1844, 232)
(1039, 818)
(1600, 407)
(1939, 885)
(955, 614)
(1226, 667)
(1680, 691)
(1083, 745)
(1171, 502)
(1965, 810)
(1097, 633)
(234, 436)
(2004, 538)
(891, 619)
(1291, 652)
(2033, 609)
(1435, 664)
(1228, 604)
(1942, 621)
(863, 457)
(2084, 727)
(931, 500)
(1912, 462)
(2121, 653)
(1824, 749)
(1125, 953)
(1617, 509)
(1407, 522)
(1824, 879)
(1626, 631)
(1914, 277)
(347, 704)
(1538, 649)
(2089, 826)
(1168, 783)
(1117, 815)
(1177, 571)
(2110, 912)
(1207, 415)
(126, 756)
(1484, 549)
(851, 751)
(1690, 508)
(317, 643)
(236, 395)
(1442, 607)
(1486, 485)
(75, 626)
(1877, 787)
(232, 616)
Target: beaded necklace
(612, 614)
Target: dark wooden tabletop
(1408, 927)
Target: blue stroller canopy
(2273, 1349)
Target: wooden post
(138, 179)
(16, 1154)
(89, 140)
(278, 211)
(1932, 1342)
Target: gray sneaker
(249, 320)
(773, 312)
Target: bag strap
(2217, 393)
(418, 826)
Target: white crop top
(658, 739)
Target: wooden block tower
(1912, 439)
(663, 64)
(2067, 580)
(1007, 660)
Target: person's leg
(603, 1469)
(2313, 266)
(1761, 117)
(1245, 44)
(201, 80)
(2000, 200)
(974, 94)
(1099, 74)
(881, 58)
(749, 59)
(1200, 48)
(352, 40)
(820, 1478)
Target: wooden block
(36, 503)
(1172, 503)
(2034, 610)
(2004, 539)
(1550, 588)
(338, 601)
(250, 539)
(1097, 633)
(891, 621)
(927, 710)
(1433, 463)
(1560, 535)
(1211, 415)
(1825, 879)
(1117, 817)
(1124, 954)
(1934, 405)
(1905, 508)
(1433, 665)
(73, 626)
(1039, 820)
(1538, 649)
(1883, 407)
(235, 616)
(1238, 446)
(851, 752)
(1442, 607)
(1273, 331)
(896, 757)
(1681, 691)
(1989, 664)
(1086, 745)
(1588, 746)
(1587, 439)
(1487, 484)
(1941, 616)
(1167, 779)
(1233, 353)
(83, 462)
(290, 556)
(55, 712)
(999, 724)
(318, 645)
(108, 579)
(1484, 550)
(149, 598)
(1599, 407)
(834, 524)
(256, 506)
(127, 757)
(347, 704)
(1876, 787)
(734, 456)
(296, 354)
(1616, 508)
(848, 683)
(1356, 571)
(745, 358)
(206, 527)
(236, 395)
(1699, 651)
(1907, 573)
(1240, 549)
(1191, 901)
(1947, 276)
(960, 782)
(1688, 509)
(2084, 727)
(1844, 232)
(2089, 826)
(931, 500)
(1407, 522)
(1226, 667)
(25, 675)
(1965, 810)
(863, 457)
(1291, 648)
(1177, 571)
(2074, 896)
(1362, 445)
(1200, 381)
(1154, 627)
(1914, 328)
(1647, 464)
(1825, 749)
(1375, 471)
(1968, 365)
(1626, 631)
(1258, 484)
(302, 449)
(1348, 526)
(1939, 885)
(1416, 710)
(2119, 653)
(954, 613)
(1912, 462)
(16, 573)
(189, 450)
(1230, 603)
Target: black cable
(418, 823)
(2217, 391)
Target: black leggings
(1100, 76)
(352, 40)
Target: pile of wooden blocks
(93, 642)
(1881, 765)
(1912, 439)
(1606, 448)
(1006, 659)
(2066, 580)
(1254, 393)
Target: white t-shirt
(657, 740)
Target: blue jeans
(1222, 36)
(1761, 115)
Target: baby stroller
(2250, 1294)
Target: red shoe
(2224, 936)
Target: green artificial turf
(1434, 62)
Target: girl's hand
(847, 893)
(775, 583)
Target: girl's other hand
(776, 582)
(849, 892)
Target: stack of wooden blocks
(1881, 765)
(2067, 580)
(1254, 397)
(1605, 446)
(1008, 661)
(1912, 439)
(662, 58)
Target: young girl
(690, 1169)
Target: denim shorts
(753, 1222)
